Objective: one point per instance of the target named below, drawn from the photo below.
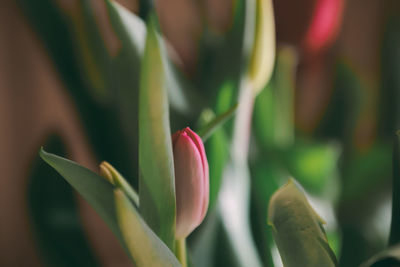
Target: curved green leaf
(96, 190)
(263, 55)
(156, 180)
(297, 229)
(394, 237)
(56, 224)
(145, 247)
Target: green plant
(131, 94)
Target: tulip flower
(314, 23)
(191, 181)
(324, 25)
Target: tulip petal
(190, 195)
(200, 146)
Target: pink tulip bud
(191, 181)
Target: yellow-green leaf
(156, 180)
(297, 229)
(113, 176)
(96, 190)
(143, 244)
(263, 54)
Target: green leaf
(56, 30)
(145, 247)
(97, 191)
(394, 237)
(297, 229)
(215, 123)
(387, 258)
(55, 220)
(156, 180)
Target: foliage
(131, 93)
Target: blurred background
(338, 63)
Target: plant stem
(181, 251)
(394, 237)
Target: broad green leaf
(133, 35)
(263, 55)
(96, 190)
(156, 180)
(394, 238)
(127, 72)
(387, 258)
(143, 244)
(134, 27)
(297, 229)
(116, 110)
(124, 79)
(55, 220)
(215, 123)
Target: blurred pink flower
(311, 25)
(324, 25)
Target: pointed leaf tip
(297, 229)
(156, 180)
(96, 190)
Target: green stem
(394, 237)
(213, 125)
(181, 251)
